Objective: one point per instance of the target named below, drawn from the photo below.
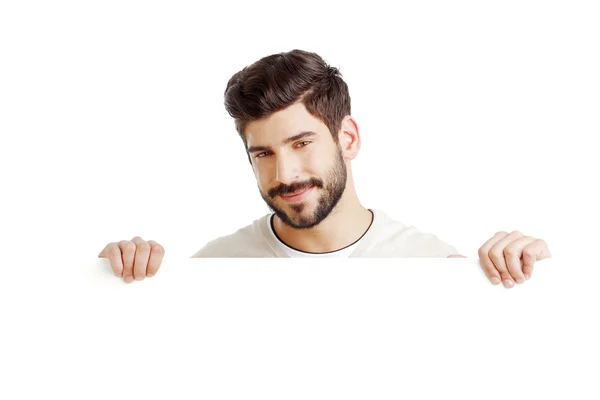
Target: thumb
(545, 253)
(104, 253)
(538, 251)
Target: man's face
(300, 171)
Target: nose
(287, 170)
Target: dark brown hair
(277, 81)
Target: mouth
(298, 196)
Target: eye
(302, 144)
(261, 155)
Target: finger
(113, 253)
(485, 261)
(142, 254)
(496, 254)
(512, 254)
(528, 270)
(128, 253)
(103, 253)
(157, 253)
(537, 250)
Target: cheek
(319, 163)
(311, 163)
(262, 176)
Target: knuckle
(501, 233)
(516, 233)
(505, 276)
(518, 275)
(494, 255)
(510, 251)
(528, 253)
(128, 245)
(143, 246)
(157, 248)
(482, 252)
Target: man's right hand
(134, 259)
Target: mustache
(294, 187)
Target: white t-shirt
(291, 252)
(384, 238)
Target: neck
(346, 223)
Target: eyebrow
(301, 135)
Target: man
(292, 112)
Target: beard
(333, 188)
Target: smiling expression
(300, 170)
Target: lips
(298, 196)
(295, 193)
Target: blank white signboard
(292, 329)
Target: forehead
(283, 124)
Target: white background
(475, 117)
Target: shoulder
(245, 242)
(394, 239)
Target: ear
(349, 138)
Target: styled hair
(277, 81)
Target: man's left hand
(509, 258)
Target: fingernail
(526, 276)
(139, 278)
(128, 279)
(520, 280)
(508, 283)
(495, 280)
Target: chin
(303, 209)
(296, 218)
